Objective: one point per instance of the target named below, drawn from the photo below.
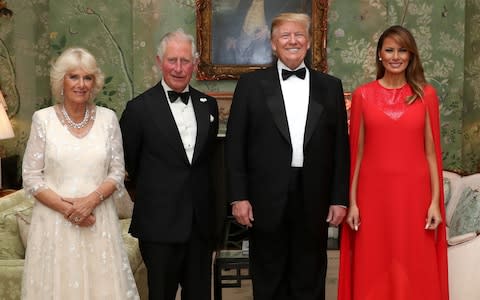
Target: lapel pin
(211, 118)
(203, 99)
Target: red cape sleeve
(346, 242)
(346, 235)
(431, 101)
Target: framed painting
(233, 36)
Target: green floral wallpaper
(105, 28)
(123, 35)
(439, 29)
(471, 88)
(24, 56)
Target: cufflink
(203, 99)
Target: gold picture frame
(211, 68)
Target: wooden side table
(9, 169)
(229, 260)
(4, 192)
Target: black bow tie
(173, 96)
(300, 73)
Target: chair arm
(459, 239)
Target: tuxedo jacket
(258, 149)
(169, 191)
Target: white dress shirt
(296, 93)
(184, 116)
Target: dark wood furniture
(230, 267)
(4, 192)
(10, 174)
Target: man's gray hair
(180, 35)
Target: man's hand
(336, 213)
(243, 213)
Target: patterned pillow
(23, 221)
(447, 190)
(452, 185)
(11, 246)
(123, 204)
(466, 218)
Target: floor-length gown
(63, 260)
(392, 256)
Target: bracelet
(100, 195)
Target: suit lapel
(274, 99)
(202, 115)
(315, 108)
(165, 123)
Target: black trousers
(185, 264)
(289, 263)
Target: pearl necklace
(70, 123)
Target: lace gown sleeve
(34, 158)
(116, 169)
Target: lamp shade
(6, 130)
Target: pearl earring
(380, 59)
(61, 93)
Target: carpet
(245, 292)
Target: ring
(76, 219)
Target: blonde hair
(71, 59)
(303, 19)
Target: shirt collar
(166, 88)
(281, 65)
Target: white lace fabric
(65, 261)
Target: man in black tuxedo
(168, 135)
(287, 158)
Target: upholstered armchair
(462, 199)
(15, 211)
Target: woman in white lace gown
(73, 165)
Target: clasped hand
(80, 211)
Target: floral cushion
(452, 186)
(11, 278)
(447, 190)
(123, 204)
(23, 220)
(465, 218)
(11, 246)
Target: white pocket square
(203, 99)
(212, 119)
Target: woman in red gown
(393, 244)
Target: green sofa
(13, 210)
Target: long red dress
(392, 256)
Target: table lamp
(6, 130)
